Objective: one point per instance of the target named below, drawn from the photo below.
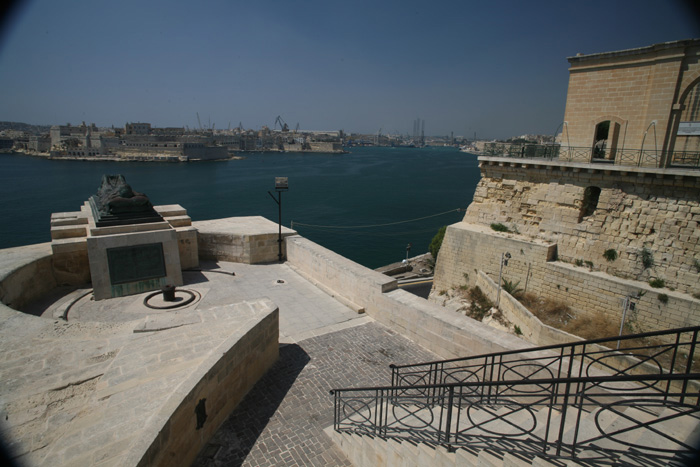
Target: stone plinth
(80, 250)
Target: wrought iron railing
(618, 156)
(583, 399)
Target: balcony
(647, 158)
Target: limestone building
(618, 208)
(635, 107)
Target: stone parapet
(250, 240)
(26, 273)
(447, 334)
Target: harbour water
(329, 195)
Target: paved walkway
(281, 421)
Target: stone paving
(281, 420)
(305, 310)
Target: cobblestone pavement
(281, 420)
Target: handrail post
(448, 422)
(689, 365)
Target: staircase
(618, 401)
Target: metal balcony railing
(618, 156)
(583, 399)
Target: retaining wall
(469, 248)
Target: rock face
(115, 196)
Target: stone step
(68, 218)
(68, 231)
(179, 221)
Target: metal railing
(617, 156)
(564, 401)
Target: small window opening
(590, 202)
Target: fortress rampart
(553, 227)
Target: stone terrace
(85, 393)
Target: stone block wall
(468, 248)
(475, 250)
(637, 208)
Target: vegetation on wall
(610, 255)
(436, 242)
(512, 288)
(647, 258)
(480, 304)
(498, 227)
(657, 283)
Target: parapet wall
(449, 335)
(250, 240)
(26, 273)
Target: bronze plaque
(136, 263)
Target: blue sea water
(369, 186)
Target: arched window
(691, 110)
(591, 195)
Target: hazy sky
(497, 68)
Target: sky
(496, 68)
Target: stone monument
(130, 245)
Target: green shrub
(589, 264)
(647, 258)
(610, 255)
(578, 262)
(436, 242)
(663, 298)
(512, 288)
(657, 283)
(498, 227)
(518, 331)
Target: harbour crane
(283, 125)
(199, 121)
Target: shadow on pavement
(249, 419)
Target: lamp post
(281, 184)
(504, 262)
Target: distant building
(137, 128)
(635, 107)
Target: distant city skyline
(497, 69)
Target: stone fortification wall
(636, 209)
